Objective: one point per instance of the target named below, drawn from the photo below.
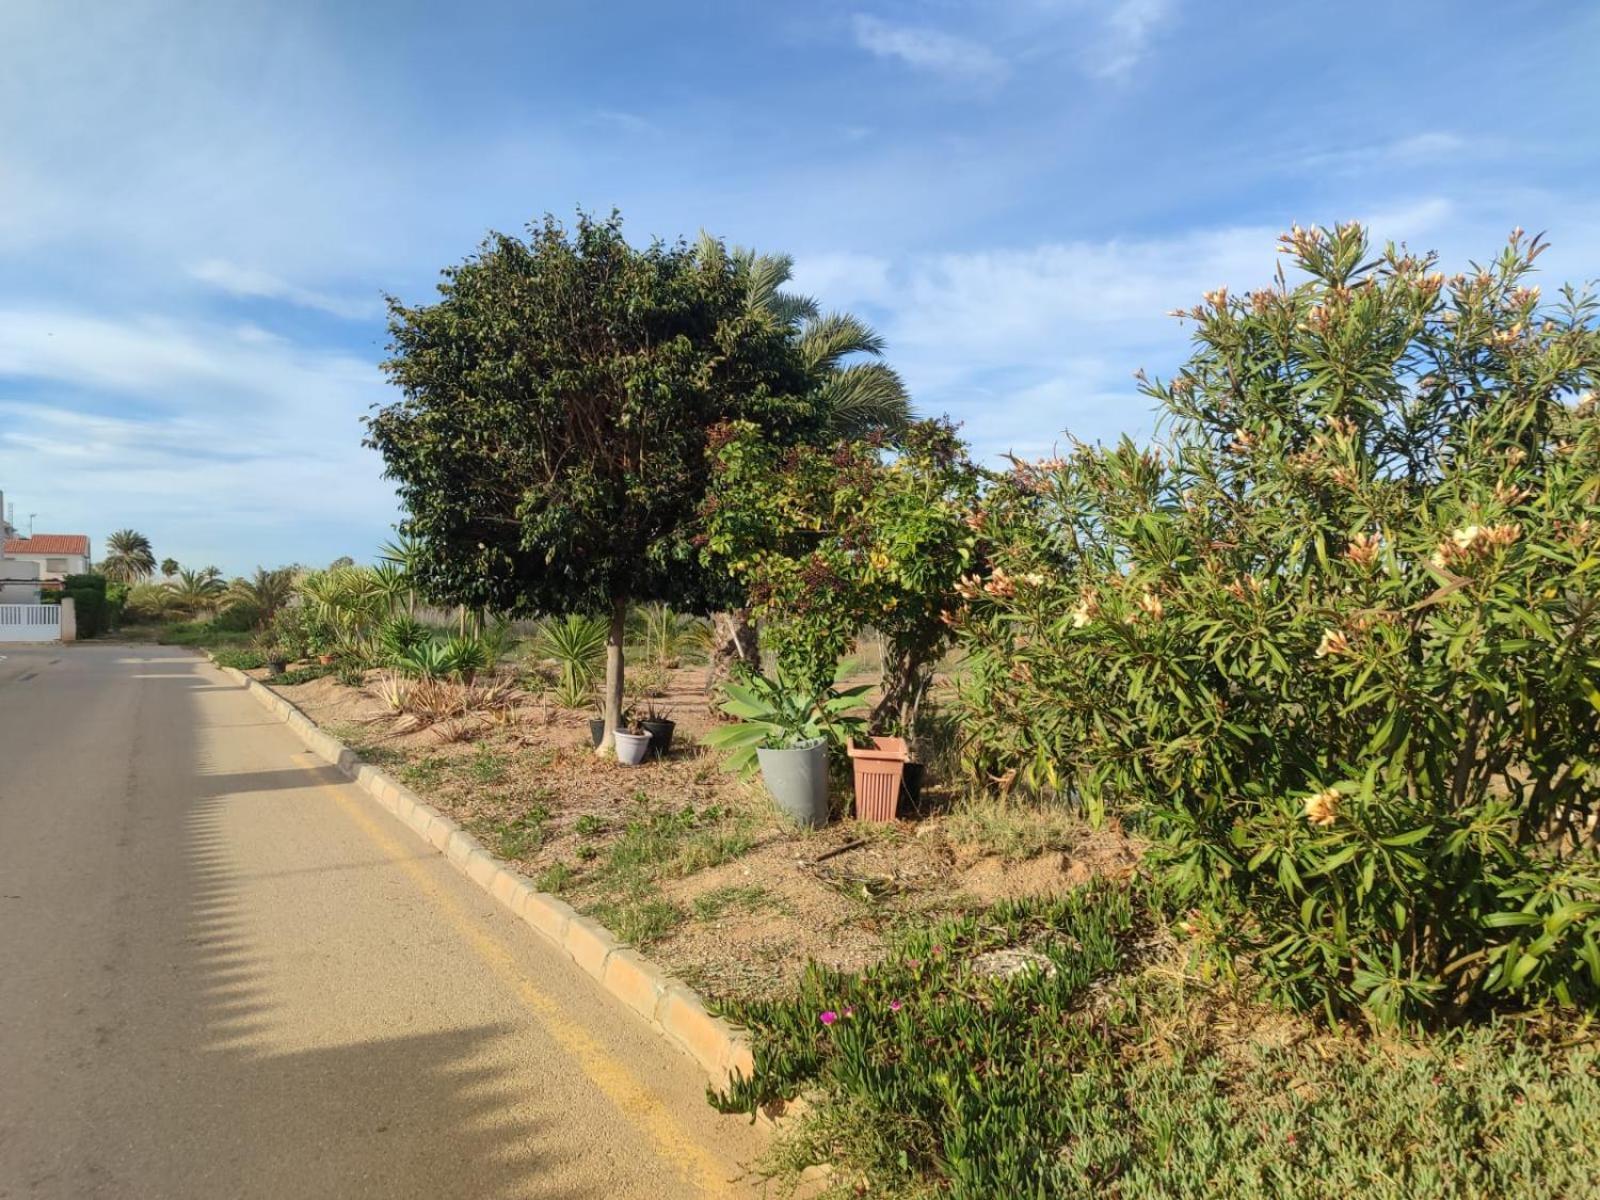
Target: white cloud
(250, 282)
(1025, 343)
(223, 446)
(929, 49)
(1127, 28)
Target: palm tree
(169, 567)
(128, 557)
(858, 393)
(195, 591)
(267, 592)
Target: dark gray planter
(798, 781)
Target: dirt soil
(677, 855)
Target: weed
(556, 878)
(639, 920)
(520, 837)
(486, 767)
(590, 825)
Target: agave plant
(784, 714)
(429, 660)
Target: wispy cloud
(263, 285)
(929, 50)
(1127, 29)
(218, 441)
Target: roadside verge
(670, 1007)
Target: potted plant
(277, 660)
(784, 730)
(658, 723)
(879, 772)
(633, 740)
(597, 724)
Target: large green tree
(549, 442)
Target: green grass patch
(639, 920)
(239, 659)
(486, 767)
(723, 900)
(301, 675)
(519, 837)
(1086, 1076)
(556, 878)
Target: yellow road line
(672, 1142)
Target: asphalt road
(226, 973)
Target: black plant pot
(276, 667)
(911, 784)
(597, 730)
(660, 736)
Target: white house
(57, 554)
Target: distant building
(57, 554)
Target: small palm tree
(266, 592)
(128, 557)
(169, 567)
(197, 591)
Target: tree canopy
(550, 439)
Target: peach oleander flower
(1333, 642)
(1151, 605)
(1363, 549)
(1085, 611)
(1323, 808)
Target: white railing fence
(30, 622)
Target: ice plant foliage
(1335, 642)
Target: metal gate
(30, 622)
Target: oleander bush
(1336, 642)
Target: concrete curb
(672, 1008)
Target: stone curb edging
(672, 1008)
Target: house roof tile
(49, 543)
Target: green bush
(828, 541)
(239, 659)
(239, 616)
(1335, 644)
(1077, 1075)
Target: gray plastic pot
(798, 781)
(631, 747)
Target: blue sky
(201, 206)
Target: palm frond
(864, 397)
(828, 340)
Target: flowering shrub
(1337, 642)
(829, 541)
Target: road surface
(225, 973)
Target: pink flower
(829, 1017)
(895, 1006)
(849, 1011)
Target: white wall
(19, 581)
(77, 564)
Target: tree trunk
(612, 696)
(906, 678)
(733, 640)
